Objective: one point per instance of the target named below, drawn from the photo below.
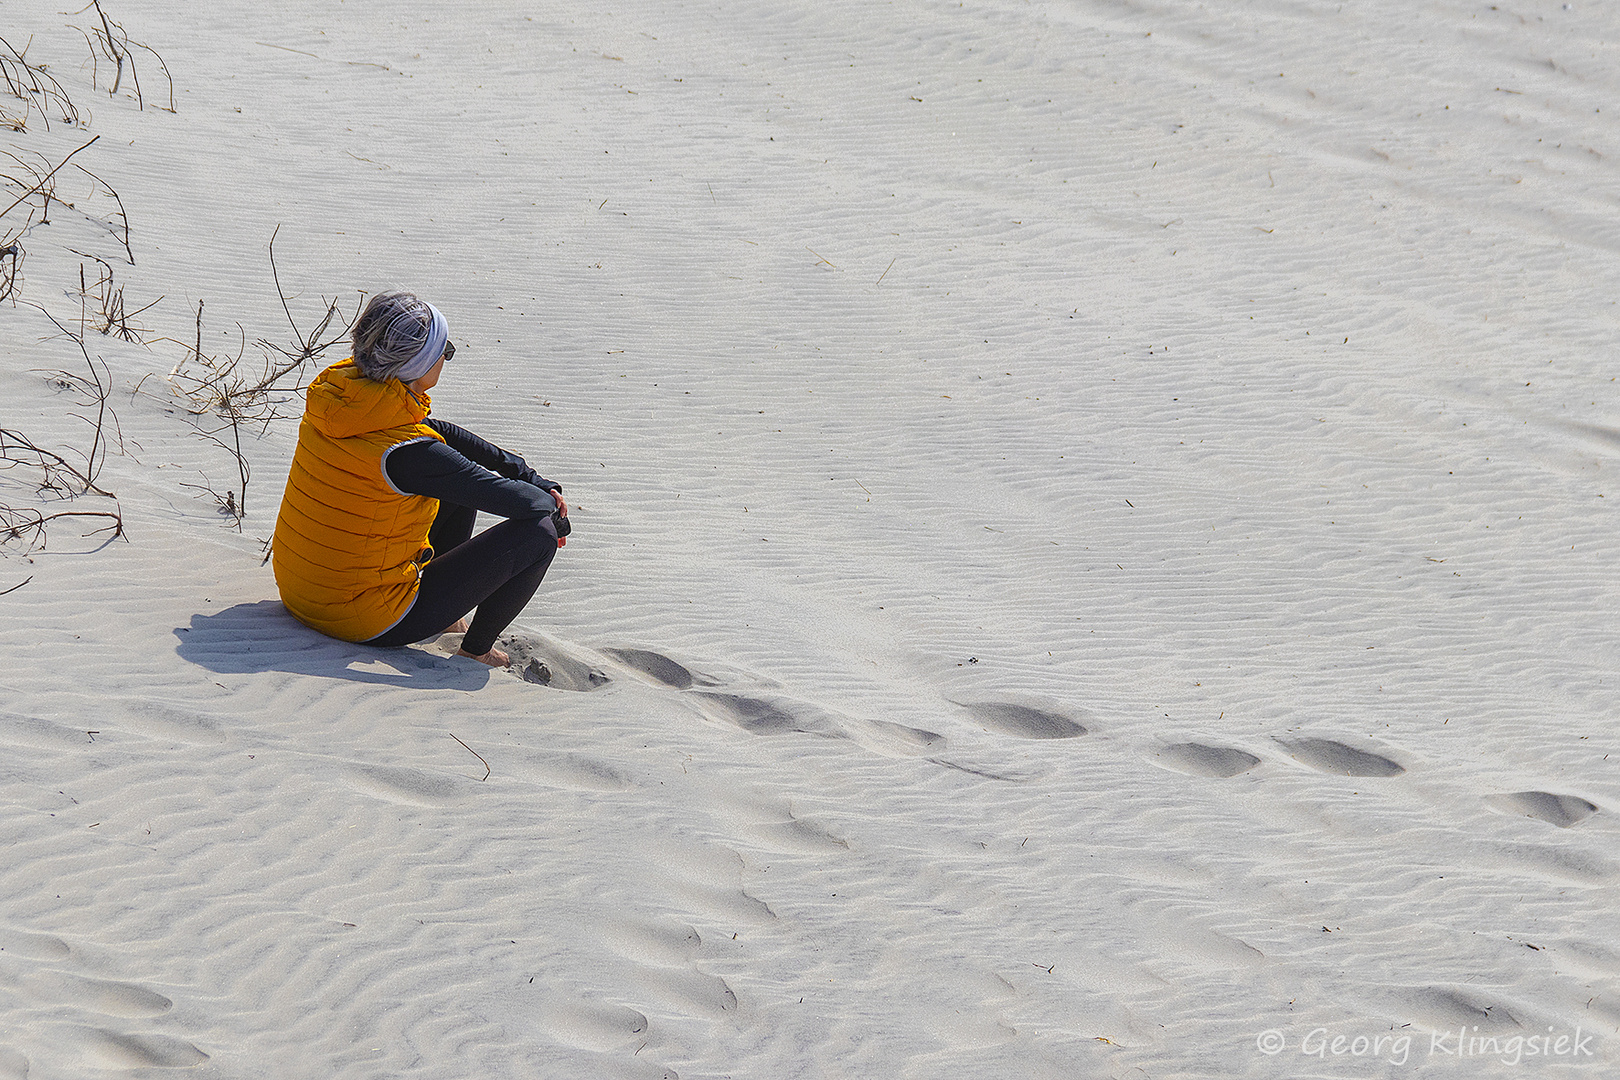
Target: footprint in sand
(1444, 1008)
(1198, 759)
(1326, 755)
(410, 786)
(158, 720)
(32, 946)
(98, 995)
(1560, 810)
(545, 662)
(590, 1025)
(689, 991)
(661, 944)
(757, 716)
(658, 667)
(771, 825)
(40, 734)
(704, 878)
(760, 717)
(13, 1065)
(576, 772)
(101, 1048)
(889, 736)
(1023, 721)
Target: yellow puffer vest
(347, 542)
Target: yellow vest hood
(347, 542)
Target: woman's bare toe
(494, 658)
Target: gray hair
(390, 333)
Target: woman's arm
(490, 456)
(440, 471)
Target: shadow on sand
(263, 637)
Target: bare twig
(227, 502)
(35, 87)
(476, 754)
(36, 178)
(112, 48)
(28, 525)
(11, 257)
(99, 391)
(123, 217)
(57, 475)
(111, 316)
(216, 386)
(113, 42)
(30, 178)
(44, 179)
(309, 346)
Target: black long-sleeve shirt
(469, 471)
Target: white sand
(1232, 380)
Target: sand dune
(1092, 551)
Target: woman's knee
(537, 537)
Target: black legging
(496, 571)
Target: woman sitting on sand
(374, 541)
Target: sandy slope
(1093, 518)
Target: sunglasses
(449, 350)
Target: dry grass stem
(120, 227)
(109, 41)
(29, 526)
(476, 754)
(53, 474)
(111, 317)
(217, 386)
(39, 186)
(36, 88)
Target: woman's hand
(562, 509)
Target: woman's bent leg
(499, 608)
(496, 572)
(452, 527)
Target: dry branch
(33, 176)
(111, 317)
(36, 88)
(28, 525)
(109, 40)
(11, 257)
(40, 184)
(216, 385)
(311, 345)
(123, 218)
(53, 473)
(57, 475)
(99, 390)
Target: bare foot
(457, 627)
(494, 658)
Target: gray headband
(433, 348)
